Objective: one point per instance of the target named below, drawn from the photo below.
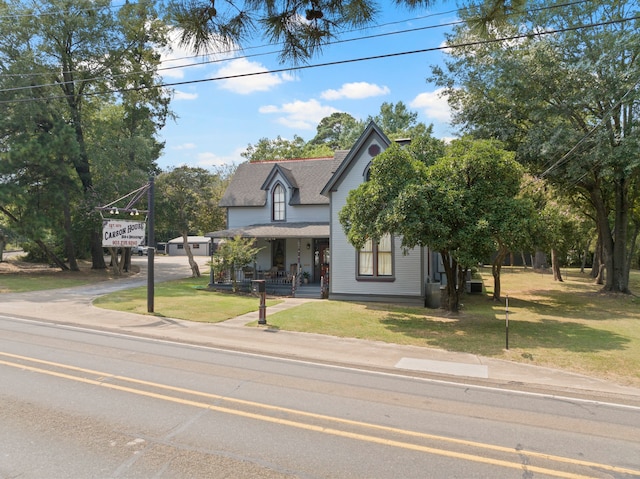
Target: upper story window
(375, 260)
(278, 203)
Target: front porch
(274, 287)
(288, 255)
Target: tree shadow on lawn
(487, 337)
(590, 306)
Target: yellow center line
(310, 427)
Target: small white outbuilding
(200, 246)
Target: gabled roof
(306, 177)
(286, 173)
(371, 130)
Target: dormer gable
(278, 172)
(285, 177)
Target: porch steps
(308, 291)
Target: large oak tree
(460, 203)
(566, 98)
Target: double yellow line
(102, 378)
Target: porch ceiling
(276, 230)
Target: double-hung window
(278, 203)
(375, 259)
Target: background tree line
(83, 108)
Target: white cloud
(355, 91)
(208, 159)
(301, 115)
(178, 59)
(269, 109)
(183, 95)
(257, 77)
(433, 105)
(184, 146)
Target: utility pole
(151, 243)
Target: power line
(84, 80)
(237, 50)
(348, 61)
(427, 27)
(587, 135)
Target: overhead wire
(335, 42)
(341, 62)
(161, 69)
(556, 165)
(255, 47)
(588, 134)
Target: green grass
(54, 279)
(26, 283)
(183, 299)
(569, 325)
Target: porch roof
(276, 230)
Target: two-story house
(291, 208)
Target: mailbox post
(259, 286)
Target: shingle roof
(276, 230)
(309, 175)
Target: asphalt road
(79, 403)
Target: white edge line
(332, 366)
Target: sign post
(507, 323)
(127, 234)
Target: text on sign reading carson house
(122, 233)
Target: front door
(321, 260)
(278, 259)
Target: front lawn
(569, 325)
(183, 299)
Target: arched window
(367, 173)
(278, 203)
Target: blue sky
(217, 119)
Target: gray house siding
(410, 269)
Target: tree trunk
(495, 271)
(452, 303)
(97, 253)
(613, 251)
(81, 160)
(116, 262)
(540, 261)
(195, 270)
(3, 244)
(555, 266)
(597, 259)
(68, 238)
(462, 280)
(632, 247)
(585, 255)
(619, 281)
(601, 274)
